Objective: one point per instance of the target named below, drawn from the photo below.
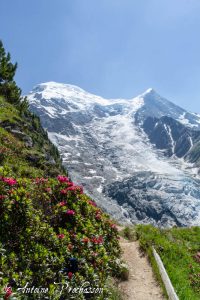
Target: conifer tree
(8, 87)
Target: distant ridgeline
(50, 232)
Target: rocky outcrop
(170, 135)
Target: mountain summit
(139, 158)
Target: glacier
(127, 153)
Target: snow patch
(100, 189)
(186, 122)
(51, 110)
(91, 171)
(169, 132)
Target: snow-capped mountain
(138, 158)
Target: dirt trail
(141, 284)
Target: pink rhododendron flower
(70, 275)
(114, 226)
(86, 240)
(10, 181)
(92, 203)
(48, 190)
(70, 212)
(98, 216)
(75, 188)
(98, 240)
(8, 293)
(63, 203)
(61, 236)
(62, 179)
(80, 189)
(63, 192)
(72, 187)
(41, 180)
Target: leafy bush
(53, 233)
(129, 233)
(123, 271)
(115, 292)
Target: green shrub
(129, 233)
(123, 272)
(114, 291)
(47, 223)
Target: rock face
(170, 135)
(138, 158)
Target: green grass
(128, 233)
(14, 153)
(114, 291)
(8, 111)
(177, 248)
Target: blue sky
(113, 48)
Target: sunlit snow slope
(139, 158)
